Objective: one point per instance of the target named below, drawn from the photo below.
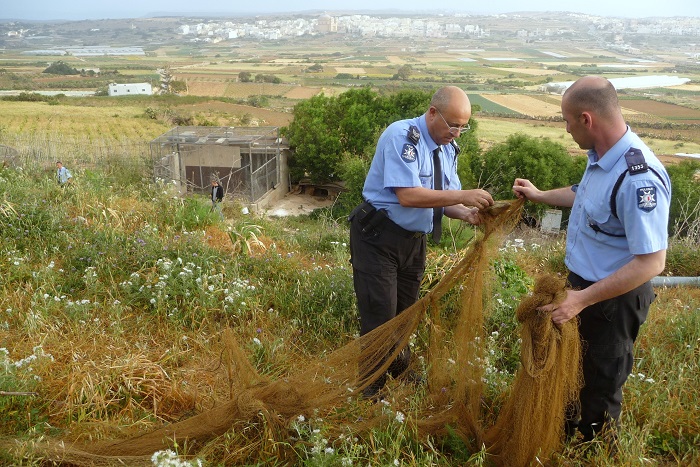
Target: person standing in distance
(217, 195)
(63, 175)
(616, 243)
(411, 182)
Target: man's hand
(572, 305)
(478, 198)
(473, 217)
(523, 188)
(463, 213)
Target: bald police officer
(616, 242)
(411, 182)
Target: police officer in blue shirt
(616, 242)
(411, 183)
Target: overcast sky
(97, 9)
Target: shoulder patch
(409, 153)
(647, 198)
(413, 134)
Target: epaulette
(636, 164)
(413, 134)
(635, 161)
(456, 147)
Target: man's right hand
(524, 189)
(478, 198)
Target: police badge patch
(408, 153)
(647, 198)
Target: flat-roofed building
(129, 89)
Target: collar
(614, 154)
(425, 134)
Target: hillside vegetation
(114, 294)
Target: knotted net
(261, 410)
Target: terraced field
(525, 105)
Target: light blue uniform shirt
(643, 204)
(398, 163)
(63, 175)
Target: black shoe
(373, 391)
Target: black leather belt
(373, 220)
(392, 226)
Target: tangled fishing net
(529, 424)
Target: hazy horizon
(44, 10)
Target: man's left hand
(473, 216)
(569, 308)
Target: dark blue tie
(437, 185)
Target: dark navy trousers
(387, 273)
(608, 330)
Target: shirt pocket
(599, 219)
(426, 180)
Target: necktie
(437, 185)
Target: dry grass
(78, 121)
(351, 70)
(525, 105)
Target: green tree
(258, 101)
(245, 77)
(263, 78)
(360, 114)
(404, 73)
(61, 68)
(328, 131)
(546, 163)
(178, 86)
(315, 141)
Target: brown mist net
(262, 410)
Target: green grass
(113, 293)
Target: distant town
(432, 27)
(136, 37)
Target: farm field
(82, 119)
(495, 130)
(71, 120)
(662, 109)
(525, 105)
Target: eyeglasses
(454, 130)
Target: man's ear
(586, 119)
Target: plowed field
(662, 109)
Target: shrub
(684, 219)
(61, 68)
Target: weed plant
(114, 291)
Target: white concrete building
(129, 89)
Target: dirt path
(296, 205)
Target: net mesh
(261, 410)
